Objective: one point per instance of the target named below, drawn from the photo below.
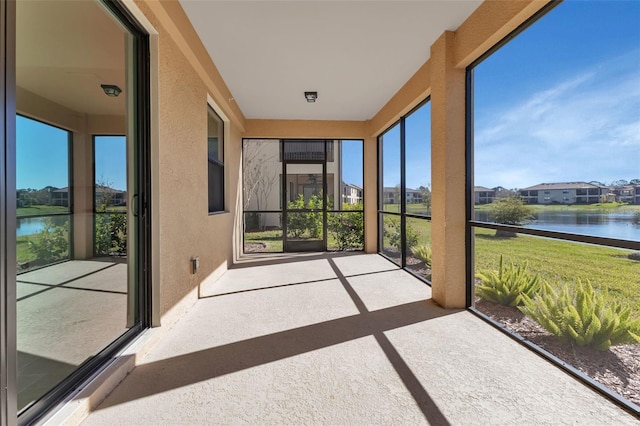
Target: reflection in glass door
(82, 236)
(304, 207)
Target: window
(110, 196)
(43, 180)
(215, 142)
(405, 167)
(564, 94)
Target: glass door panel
(304, 210)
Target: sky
(352, 166)
(42, 156)
(561, 102)
(558, 103)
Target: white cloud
(583, 128)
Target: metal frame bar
(403, 191)
(8, 301)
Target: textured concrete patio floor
(342, 340)
(66, 314)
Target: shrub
(111, 233)
(579, 314)
(392, 233)
(252, 221)
(510, 211)
(299, 224)
(508, 286)
(51, 244)
(348, 228)
(422, 252)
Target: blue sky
(42, 156)
(352, 171)
(561, 102)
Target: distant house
(627, 194)
(563, 193)
(391, 195)
(59, 197)
(483, 195)
(351, 194)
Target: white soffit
(355, 54)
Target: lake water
(601, 224)
(33, 225)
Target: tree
(502, 192)
(634, 182)
(425, 193)
(619, 182)
(510, 211)
(396, 195)
(259, 174)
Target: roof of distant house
(395, 188)
(481, 189)
(561, 185)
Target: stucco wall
(186, 228)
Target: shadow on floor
(210, 363)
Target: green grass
(23, 251)
(411, 208)
(272, 239)
(556, 261)
(41, 210)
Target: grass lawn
(272, 239)
(41, 210)
(556, 261)
(411, 208)
(23, 251)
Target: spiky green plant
(507, 285)
(579, 314)
(422, 252)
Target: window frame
(217, 165)
(402, 214)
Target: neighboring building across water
(483, 195)
(564, 193)
(391, 195)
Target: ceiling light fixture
(111, 90)
(311, 96)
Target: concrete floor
(66, 314)
(342, 340)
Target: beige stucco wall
(186, 229)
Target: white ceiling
(355, 54)
(66, 49)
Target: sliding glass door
(74, 225)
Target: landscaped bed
(618, 368)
